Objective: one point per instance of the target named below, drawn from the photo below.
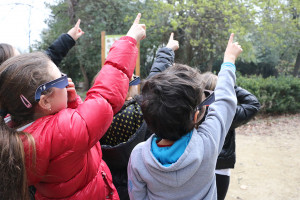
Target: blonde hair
(6, 51)
(210, 80)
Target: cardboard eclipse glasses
(210, 98)
(136, 80)
(61, 82)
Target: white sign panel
(109, 40)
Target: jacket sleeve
(60, 47)
(247, 107)
(164, 59)
(75, 103)
(220, 114)
(137, 188)
(86, 124)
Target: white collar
(22, 128)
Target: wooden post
(102, 48)
(137, 66)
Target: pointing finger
(171, 36)
(77, 23)
(137, 19)
(231, 38)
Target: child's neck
(40, 113)
(165, 142)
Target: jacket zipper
(104, 176)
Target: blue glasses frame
(136, 80)
(61, 82)
(210, 98)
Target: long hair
(13, 184)
(210, 80)
(20, 76)
(6, 51)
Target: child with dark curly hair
(178, 161)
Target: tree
(268, 32)
(202, 27)
(278, 32)
(96, 16)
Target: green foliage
(267, 30)
(276, 95)
(276, 36)
(96, 16)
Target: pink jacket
(69, 161)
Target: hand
(232, 51)
(76, 31)
(72, 94)
(173, 44)
(137, 31)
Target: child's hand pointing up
(137, 31)
(232, 51)
(76, 31)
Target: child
(68, 162)
(247, 108)
(178, 161)
(128, 127)
(57, 51)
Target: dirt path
(268, 160)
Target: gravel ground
(268, 160)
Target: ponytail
(13, 184)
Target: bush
(276, 95)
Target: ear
(44, 103)
(196, 117)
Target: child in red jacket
(66, 161)
(56, 52)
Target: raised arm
(91, 119)
(221, 112)
(247, 108)
(61, 46)
(164, 57)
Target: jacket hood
(179, 172)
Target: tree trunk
(210, 63)
(297, 65)
(86, 83)
(71, 11)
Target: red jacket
(69, 161)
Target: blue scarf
(170, 154)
